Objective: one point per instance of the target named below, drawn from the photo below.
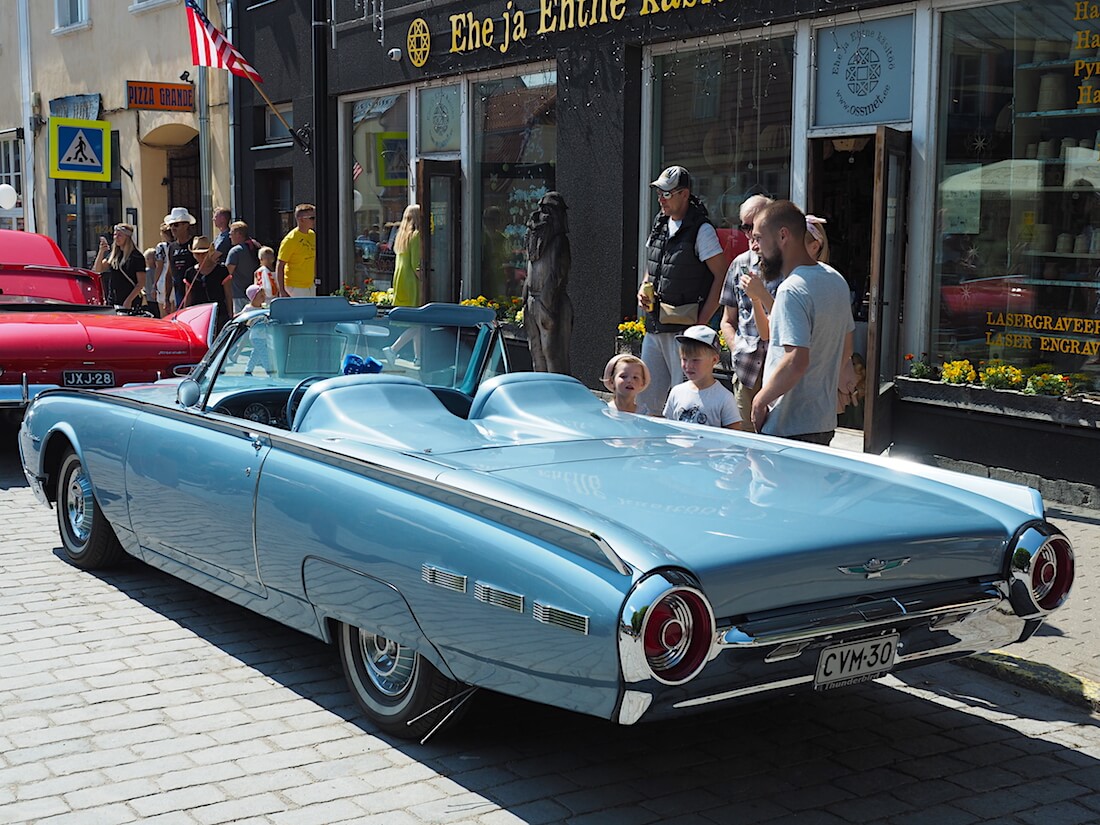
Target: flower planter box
(1073, 412)
(1048, 437)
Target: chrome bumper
(780, 652)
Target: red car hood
(43, 343)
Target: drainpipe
(328, 220)
(30, 116)
(205, 206)
(232, 136)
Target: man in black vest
(685, 267)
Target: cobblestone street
(133, 697)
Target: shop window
(379, 173)
(1017, 259)
(514, 159)
(724, 113)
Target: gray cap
(701, 333)
(674, 177)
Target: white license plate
(855, 662)
(88, 378)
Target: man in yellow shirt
(296, 267)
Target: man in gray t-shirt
(241, 262)
(810, 353)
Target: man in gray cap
(685, 267)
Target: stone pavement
(130, 696)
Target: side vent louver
(443, 578)
(562, 618)
(501, 598)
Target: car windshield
(441, 345)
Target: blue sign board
(80, 149)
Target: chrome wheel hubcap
(390, 667)
(78, 505)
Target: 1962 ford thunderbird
(450, 525)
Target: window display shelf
(1088, 256)
(1074, 112)
(1060, 63)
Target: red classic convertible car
(56, 332)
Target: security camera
(394, 54)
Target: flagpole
(297, 139)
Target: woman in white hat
(121, 265)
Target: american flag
(210, 48)
(356, 169)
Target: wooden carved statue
(547, 311)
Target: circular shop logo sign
(863, 72)
(418, 42)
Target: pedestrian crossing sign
(80, 149)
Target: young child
(258, 332)
(257, 298)
(625, 376)
(265, 275)
(701, 399)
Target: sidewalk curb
(1076, 690)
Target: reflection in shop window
(724, 113)
(515, 138)
(1017, 263)
(378, 168)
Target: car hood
(52, 335)
(763, 524)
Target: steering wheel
(293, 401)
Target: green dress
(406, 287)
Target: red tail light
(676, 635)
(1041, 567)
(1052, 573)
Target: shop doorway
(439, 193)
(860, 186)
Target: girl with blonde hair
(625, 376)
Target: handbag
(686, 314)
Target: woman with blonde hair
(406, 271)
(817, 241)
(406, 277)
(122, 266)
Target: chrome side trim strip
(747, 691)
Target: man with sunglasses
(747, 296)
(685, 266)
(297, 259)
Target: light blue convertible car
(451, 525)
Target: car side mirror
(187, 394)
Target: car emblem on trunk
(873, 568)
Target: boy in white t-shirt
(701, 399)
(265, 275)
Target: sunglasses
(665, 194)
(309, 217)
(746, 228)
